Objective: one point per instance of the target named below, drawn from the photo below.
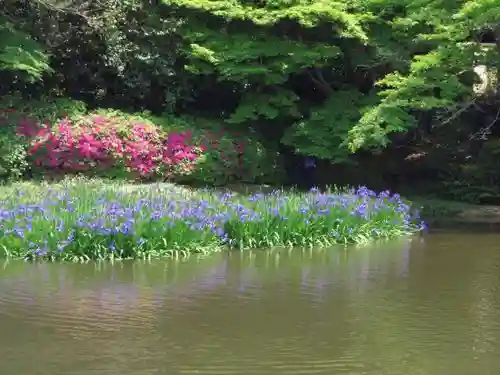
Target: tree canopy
(367, 67)
(19, 52)
(323, 78)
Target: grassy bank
(91, 219)
(440, 213)
(432, 209)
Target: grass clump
(83, 220)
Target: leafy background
(382, 92)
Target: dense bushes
(415, 85)
(15, 111)
(41, 139)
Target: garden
(103, 184)
(205, 94)
(78, 219)
(55, 137)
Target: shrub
(59, 136)
(229, 156)
(13, 154)
(109, 146)
(47, 110)
(14, 111)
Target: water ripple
(427, 308)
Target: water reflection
(426, 307)
(123, 286)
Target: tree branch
(483, 132)
(319, 80)
(457, 113)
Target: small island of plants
(93, 220)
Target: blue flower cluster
(93, 224)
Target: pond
(426, 307)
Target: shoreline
(443, 213)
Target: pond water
(426, 307)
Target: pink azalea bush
(59, 136)
(109, 146)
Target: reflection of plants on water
(127, 285)
(322, 270)
(122, 285)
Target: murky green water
(429, 307)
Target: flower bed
(84, 221)
(113, 144)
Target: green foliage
(13, 154)
(20, 53)
(262, 59)
(14, 109)
(326, 78)
(145, 117)
(47, 109)
(141, 51)
(322, 133)
(269, 106)
(418, 53)
(101, 221)
(218, 165)
(260, 48)
(229, 156)
(267, 13)
(434, 79)
(261, 162)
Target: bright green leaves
(258, 56)
(324, 133)
(485, 13)
(262, 58)
(435, 81)
(270, 106)
(377, 123)
(307, 13)
(19, 52)
(437, 77)
(420, 53)
(430, 83)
